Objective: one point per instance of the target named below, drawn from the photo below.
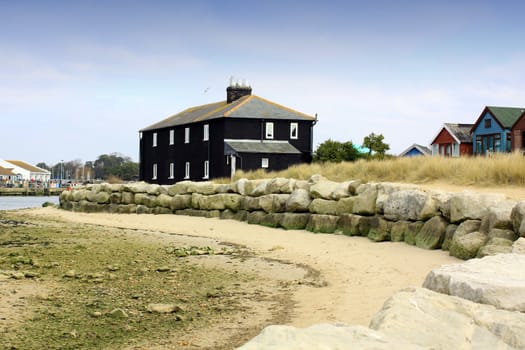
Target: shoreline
(356, 275)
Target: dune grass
(498, 169)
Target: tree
(335, 151)
(115, 164)
(375, 144)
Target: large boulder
(179, 188)
(295, 221)
(348, 224)
(468, 205)
(365, 201)
(250, 203)
(280, 185)
(379, 229)
(180, 202)
(204, 188)
(499, 216)
(322, 223)
(259, 189)
(127, 197)
(345, 205)
(449, 235)
(517, 215)
(245, 187)
(467, 246)
(432, 233)
(323, 206)
(164, 200)
(494, 280)
(397, 231)
(437, 321)
(495, 246)
(385, 190)
(518, 247)
(273, 203)
(410, 205)
(324, 336)
(323, 189)
(298, 201)
(413, 230)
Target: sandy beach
(355, 277)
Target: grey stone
(323, 206)
(437, 321)
(365, 201)
(250, 203)
(179, 188)
(323, 189)
(298, 201)
(345, 205)
(495, 246)
(348, 224)
(228, 214)
(164, 200)
(324, 336)
(379, 230)
(409, 205)
(518, 247)
(413, 230)
(280, 185)
(468, 205)
(163, 308)
(295, 221)
(127, 198)
(502, 233)
(432, 233)
(322, 223)
(397, 232)
(449, 235)
(492, 280)
(467, 246)
(180, 202)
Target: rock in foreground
(497, 280)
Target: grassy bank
(499, 169)
(92, 287)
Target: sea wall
(466, 224)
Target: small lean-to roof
(251, 146)
(422, 149)
(27, 166)
(250, 106)
(6, 171)
(505, 116)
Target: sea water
(20, 202)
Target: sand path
(359, 274)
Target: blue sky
(80, 78)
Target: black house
(214, 140)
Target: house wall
(197, 150)
(488, 134)
(414, 152)
(517, 135)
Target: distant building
(453, 140)
(492, 130)
(518, 134)
(7, 175)
(26, 171)
(244, 132)
(415, 150)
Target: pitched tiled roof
(27, 166)
(460, 131)
(507, 116)
(250, 106)
(422, 149)
(6, 171)
(250, 146)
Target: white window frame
(186, 135)
(292, 127)
(206, 169)
(206, 132)
(265, 162)
(172, 137)
(187, 170)
(154, 176)
(154, 139)
(269, 130)
(172, 171)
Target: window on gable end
(488, 123)
(186, 135)
(206, 132)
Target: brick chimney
(237, 90)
